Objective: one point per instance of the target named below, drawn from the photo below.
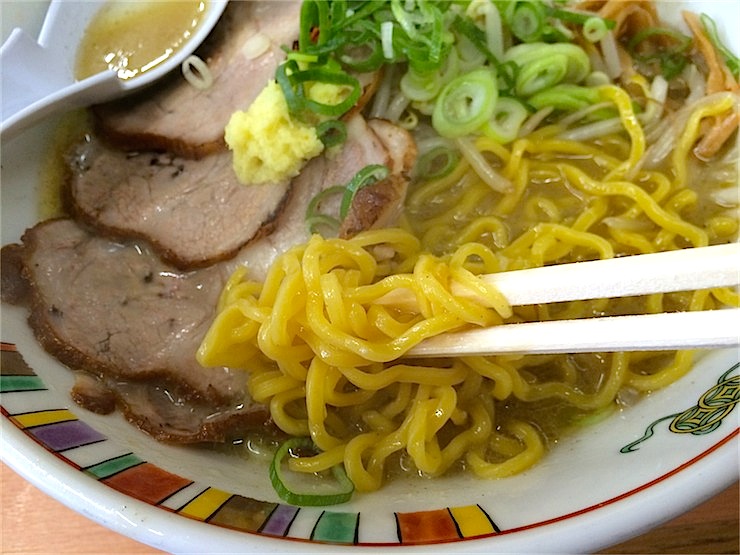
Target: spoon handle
(30, 72)
(37, 83)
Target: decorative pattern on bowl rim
(83, 448)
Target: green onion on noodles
(542, 65)
(565, 97)
(594, 29)
(437, 161)
(465, 103)
(339, 491)
(526, 19)
(332, 132)
(508, 116)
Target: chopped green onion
(526, 19)
(332, 132)
(320, 75)
(424, 86)
(437, 162)
(366, 176)
(364, 57)
(732, 61)
(565, 97)
(322, 220)
(671, 60)
(314, 16)
(407, 20)
(543, 65)
(579, 18)
(477, 38)
(424, 27)
(595, 29)
(292, 81)
(302, 58)
(341, 494)
(465, 103)
(541, 74)
(314, 218)
(419, 87)
(508, 116)
(293, 97)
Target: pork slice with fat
(381, 204)
(242, 54)
(193, 212)
(362, 147)
(117, 312)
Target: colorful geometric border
(83, 448)
(77, 444)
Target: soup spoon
(38, 75)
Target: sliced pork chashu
(242, 54)
(381, 204)
(193, 212)
(118, 313)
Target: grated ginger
(267, 144)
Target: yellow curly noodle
(324, 356)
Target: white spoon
(38, 75)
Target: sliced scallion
(465, 103)
(565, 97)
(478, 39)
(332, 132)
(541, 74)
(314, 218)
(341, 492)
(526, 19)
(594, 29)
(437, 162)
(508, 116)
(321, 75)
(671, 58)
(366, 176)
(732, 61)
(579, 18)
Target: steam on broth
(543, 133)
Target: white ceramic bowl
(584, 496)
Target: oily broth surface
(134, 37)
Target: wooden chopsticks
(680, 270)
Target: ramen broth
(134, 37)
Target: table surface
(710, 528)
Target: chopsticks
(681, 270)
(706, 329)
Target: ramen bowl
(610, 481)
